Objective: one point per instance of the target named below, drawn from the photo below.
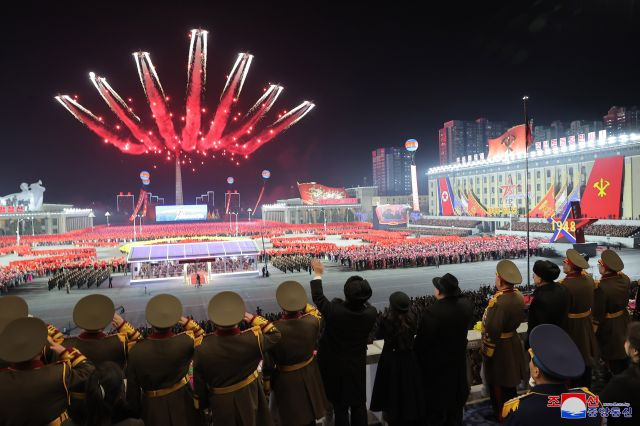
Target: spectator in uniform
(92, 314)
(625, 387)
(32, 392)
(14, 307)
(610, 311)
(579, 323)
(226, 364)
(298, 393)
(105, 398)
(555, 359)
(503, 361)
(550, 303)
(441, 345)
(158, 385)
(397, 390)
(342, 352)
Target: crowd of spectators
(108, 235)
(595, 229)
(431, 230)
(447, 222)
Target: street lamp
(324, 218)
(33, 232)
(18, 231)
(134, 229)
(107, 214)
(249, 210)
(91, 216)
(236, 214)
(140, 216)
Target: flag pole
(527, 131)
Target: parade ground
(56, 306)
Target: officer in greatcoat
(503, 354)
(226, 375)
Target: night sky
(378, 75)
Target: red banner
(445, 197)
(141, 199)
(314, 193)
(474, 208)
(392, 214)
(513, 141)
(546, 208)
(602, 195)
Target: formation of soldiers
(79, 278)
(183, 378)
(573, 323)
(294, 263)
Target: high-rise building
(391, 171)
(622, 120)
(461, 138)
(486, 130)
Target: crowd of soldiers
(312, 360)
(79, 278)
(296, 263)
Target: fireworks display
(225, 130)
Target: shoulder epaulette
(122, 337)
(494, 299)
(312, 310)
(585, 390)
(512, 405)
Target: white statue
(30, 198)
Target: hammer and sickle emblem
(507, 141)
(601, 186)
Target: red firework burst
(196, 134)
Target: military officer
(32, 392)
(555, 358)
(611, 299)
(579, 323)
(550, 303)
(503, 355)
(295, 377)
(158, 366)
(92, 314)
(14, 307)
(226, 363)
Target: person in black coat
(441, 345)
(342, 352)
(397, 390)
(105, 398)
(625, 387)
(550, 303)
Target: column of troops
(79, 278)
(292, 263)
